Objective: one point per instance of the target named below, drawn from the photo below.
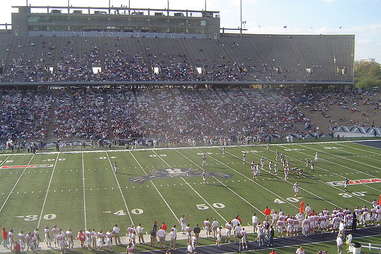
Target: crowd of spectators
(40, 63)
(70, 59)
(178, 116)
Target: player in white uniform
(93, 235)
(115, 167)
(55, 232)
(204, 176)
(275, 168)
(21, 239)
(270, 167)
(244, 154)
(286, 170)
(254, 221)
(296, 188)
(188, 231)
(346, 183)
(207, 227)
(69, 239)
(140, 232)
(243, 239)
(183, 223)
(218, 236)
(88, 239)
(203, 165)
(254, 170)
(262, 162)
(47, 237)
(215, 226)
(258, 169)
(228, 227)
(108, 240)
(274, 217)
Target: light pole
(240, 14)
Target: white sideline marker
(47, 191)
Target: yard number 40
(350, 195)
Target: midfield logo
(176, 172)
(356, 182)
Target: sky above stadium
(359, 17)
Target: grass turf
(81, 190)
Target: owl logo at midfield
(175, 172)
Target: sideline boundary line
(196, 147)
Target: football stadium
(137, 130)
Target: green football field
(82, 190)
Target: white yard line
(227, 187)
(336, 188)
(154, 185)
(344, 158)
(251, 180)
(346, 167)
(47, 191)
(313, 194)
(120, 189)
(14, 186)
(341, 165)
(362, 150)
(2, 163)
(84, 192)
(198, 147)
(190, 186)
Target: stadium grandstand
(125, 49)
(137, 117)
(130, 46)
